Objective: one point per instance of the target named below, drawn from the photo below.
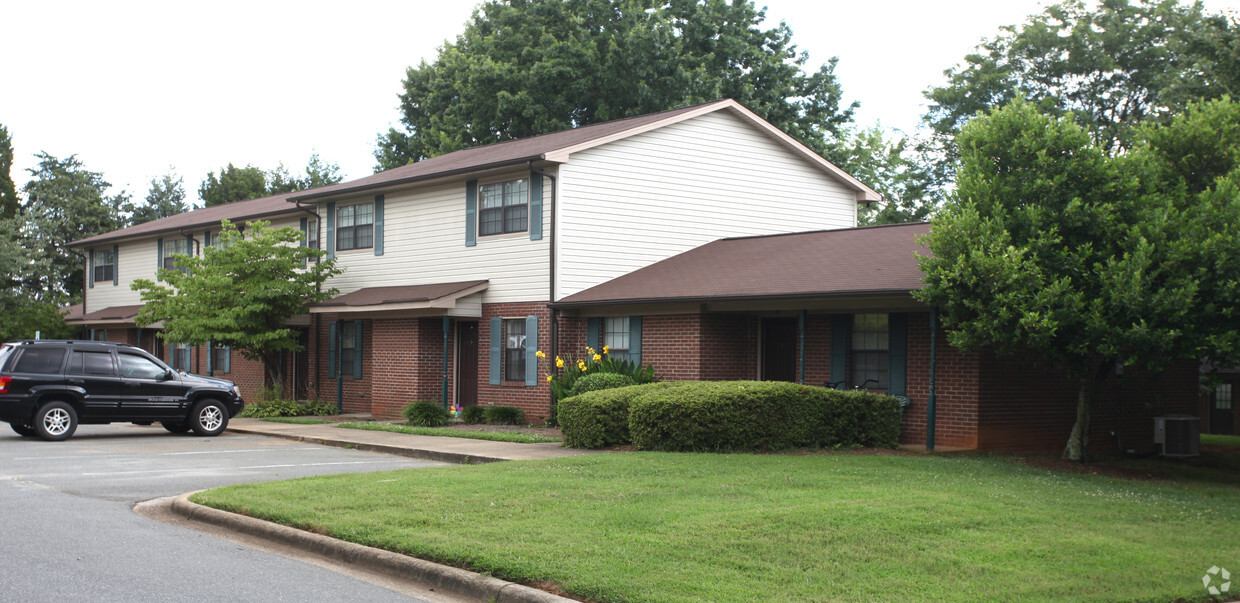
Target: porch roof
(852, 262)
(401, 297)
(111, 315)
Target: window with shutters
(870, 346)
(312, 236)
(1222, 397)
(514, 350)
(355, 227)
(180, 356)
(616, 337)
(348, 349)
(503, 207)
(174, 247)
(220, 359)
(105, 265)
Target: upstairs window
(504, 208)
(355, 227)
(173, 247)
(312, 236)
(870, 346)
(105, 265)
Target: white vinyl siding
(636, 201)
(424, 243)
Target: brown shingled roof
(407, 294)
(113, 313)
(826, 263)
(253, 209)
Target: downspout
(930, 401)
(801, 333)
(555, 315)
(447, 325)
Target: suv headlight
(237, 392)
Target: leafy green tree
(233, 184)
(166, 197)
(317, 173)
(240, 293)
(528, 67)
(8, 191)
(876, 158)
(1053, 249)
(25, 311)
(66, 202)
(1114, 65)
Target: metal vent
(1178, 435)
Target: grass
(299, 420)
(812, 527)
(494, 436)
(1228, 441)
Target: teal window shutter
(897, 353)
(357, 349)
(90, 269)
(206, 241)
(531, 350)
(497, 340)
(189, 245)
(304, 234)
(471, 213)
(592, 328)
(635, 339)
(210, 358)
(159, 257)
(333, 348)
(116, 265)
(536, 211)
(331, 230)
(228, 359)
(839, 349)
(378, 239)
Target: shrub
(598, 381)
(319, 408)
(426, 414)
(593, 362)
(474, 415)
(754, 415)
(504, 415)
(279, 407)
(600, 418)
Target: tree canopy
(528, 67)
(239, 184)
(1113, 66)
(166, 197)
(317, 173)
(1052, 248)
(240, 293)
(8, 190)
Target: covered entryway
(467, 362)
(779, 349)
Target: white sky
(133, 88)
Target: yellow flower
(559, 362)
(606, 349)
(590, 349)
(597, 357)
(540, 354)
(549, 378)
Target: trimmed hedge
(426, 414)
(597, 381)
(474, 415)
(729, 415)
(504, 415)
(288, 408)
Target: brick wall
(534, 400)
(673, 345)
(729, 347)
(407, 364)
(356, 392)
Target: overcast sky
(136, 88)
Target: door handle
(77, 381)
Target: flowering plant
(592, 361)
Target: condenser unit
(1179, 436)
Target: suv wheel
(209, 418)
(22, 430)
(55, 421)
(176, 426)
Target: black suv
(47, 387)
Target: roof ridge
(808, 232)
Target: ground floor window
(180, 356)
(514, 349)
(99, 334)
(616, 337)
(220, 359)
(870, 347)
(1222, 397)
(348, 349)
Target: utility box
(1178, 436)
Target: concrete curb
(417, 453)
(441, 577)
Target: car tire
(23, 430)
(55, 421)
(209, 418)
(176, 426)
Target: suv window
(138, 367)
(91, 363)
(43, 361)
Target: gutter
(738, 298)
(417, 178)
(554, 318)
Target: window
(355, 227)
(312, 236)
(180, 356)
(92, 363)
(870, 344)
(348, 348)
(1222, 397)
(172, 247)
(514, 350)
(139, 367)
(105, 265)
(616, 337)
(220, 356)
(504, 207)
(40, 361)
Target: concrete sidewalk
(434, 448)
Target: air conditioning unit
(1178, 435)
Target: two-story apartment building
(666, 237)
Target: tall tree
(233, 184)
(66, 202)
(882, 161)
(1114, 65)
(527, 67)
(8, 191)
(25, 310)
(240, 293)
(1051, 248)
(317, 173)
(165, 197)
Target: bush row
(430, 414)
(729, 415)
(279, 407)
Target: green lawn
(1229, 441)
(298, 420)
(816, 527)
(495, 436)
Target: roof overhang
(819, 303)
(115, 315)
(438, 299)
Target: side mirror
(169, 375)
